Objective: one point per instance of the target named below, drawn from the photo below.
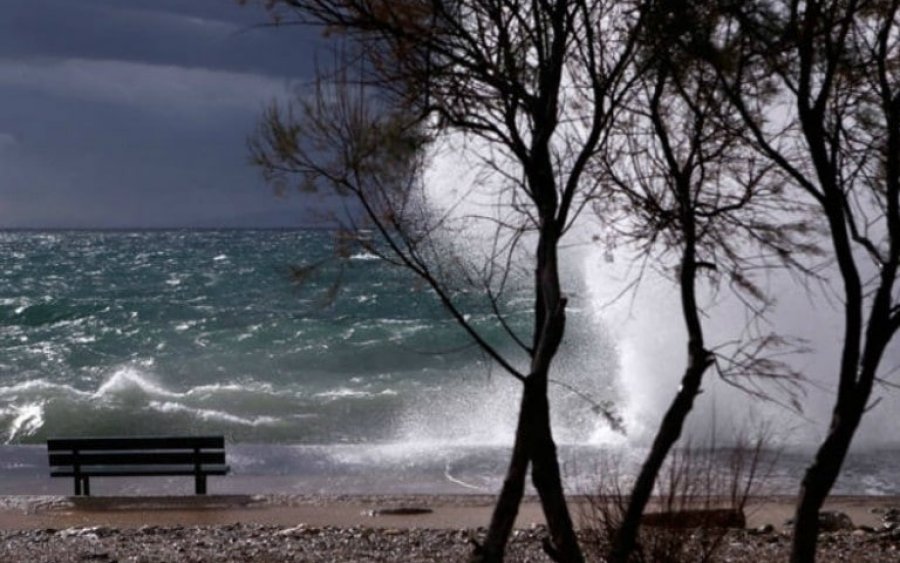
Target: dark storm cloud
(215, 34)
(135, 113)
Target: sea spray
(374, 388)
(650, 336)
(471, 186)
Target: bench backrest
(156, 450)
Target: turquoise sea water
(353, 380)
(208, 331)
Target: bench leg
(200, 484)
(77, 486)
(86, 488)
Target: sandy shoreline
(411, 528)
(428, 511)
(415, 511)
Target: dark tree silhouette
(539, 83)
(692, 188)
(817, 84)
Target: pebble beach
(238, 543)
(417, 529)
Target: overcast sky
(135, 113)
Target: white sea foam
(27, 420)
(218, 388)
(381, 453)
(347, 393)
(25, 406)
(36, 388)
(448, 474)
(83, 339)
(186, 325)
(411, 328)
(244, 336)
(128, 381)
(212, 415)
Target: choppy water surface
(354, 379)
(207, 331)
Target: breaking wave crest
(131, 401)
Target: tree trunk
(699, 359)
(507, 508)
(563, 543)
(817, 483)
(669, 432)
(534, 444)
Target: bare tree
(693, 190)
(540, 84)
(817, 84)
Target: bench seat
(83, 458)
(138, 472)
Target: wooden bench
(83, 458)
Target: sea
(328, 371)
